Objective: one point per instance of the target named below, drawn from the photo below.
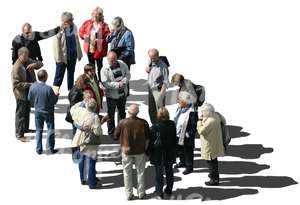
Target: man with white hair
(94, 33)
(158, 80)
(133, 132)
(115, 77)
(122, 42)
(209, 129)
(67, 50)
(22, 77)
(30, 39)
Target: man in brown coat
(22, 77)
(133, 134)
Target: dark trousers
(22, 117)
(213, 169)
(40, 118)
(87, 170)
(112, 104)
(98, 62)
(186, 155)
(60, 73)
(159, 178)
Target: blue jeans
(87, 170)
(60, 72)
(40, 118)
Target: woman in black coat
(162, 150)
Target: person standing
(115, 77)
(122, 42)
(162, 150)
(30, 39)
(43, 98)
(86, 118)
(94, 32)
(158, 80)
(66, 50)
(209, 129)
(133, 132)
(186, 127)
(22, 77)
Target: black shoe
(83, 182)
(179, 165)
(167, 192)
(212, 183)
(30, 131)
(97, 186)
(49, 152)
(39, 152)
(23, 139)
(187, 171)
(130, 198)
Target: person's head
(27, 30)
(207, 110)
(118, 23)
(80, 81)
(112, 58)
(185, 99)
(177, 79)
(153, 55)
(67, 18)
(97, 14)
(163, 114)
(87, 95)
(23, 54)
(42, 75)
(133, 110)
(90, 70)
(91, 105)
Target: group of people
(164, 141)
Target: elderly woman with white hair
(122, 42)
(86, 118)
(67, 50)
(186, 124)
(209, 129)
(94, 33)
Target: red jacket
(102, 44)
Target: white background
(246, 53)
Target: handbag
(91, 138)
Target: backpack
(200, 92)
(226, 137)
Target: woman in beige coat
(209, 129)
(85, 118)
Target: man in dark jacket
(133, 133)
(44, 99)
(29, 39)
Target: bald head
(153, 54)
(133, 110)
(112, 58)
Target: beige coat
(18, 78)
(211, 137)
(83, 118)
(60, 47)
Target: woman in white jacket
(85, 117)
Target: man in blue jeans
(43, 98)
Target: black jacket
(191, 129)
(166, 153)
(32, 44)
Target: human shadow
(231, 167)
(236, 131)
(59, 134)
(258, 181)
(247, 151)
(207, 194)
